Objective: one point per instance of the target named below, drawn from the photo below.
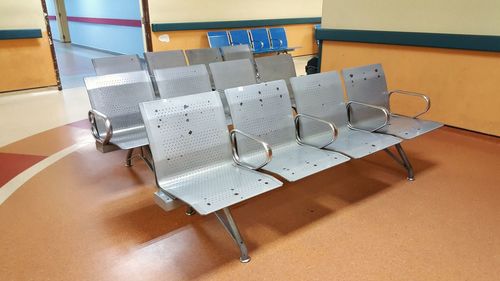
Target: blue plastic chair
(217, 39)
(278, 39)
(239, 37)
(260, 40)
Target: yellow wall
(24, 14)
(463, 85)
(297, 35)
(25, 63)
(174, 11)
(480, 17)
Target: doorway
(82, 30)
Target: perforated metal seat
(190, 145)
(367, 84)
(115, 115)
(181, 81)
(204, 56)
(116, 64)
(237, 52)
(322, 95)
(230, 74)
(277, 67)
(264, 111)
(165, 59)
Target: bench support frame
(402, 160)
(226, 219)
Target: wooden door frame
(147, 25)
(51, 43)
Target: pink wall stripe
(122, 22)
(52, 17)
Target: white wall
(21, 14)
(169, 11)
(481, 17)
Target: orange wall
(25, 64)
(464, 86)
(297, 34)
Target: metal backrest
(218, 39)
(181, 81)
(229, 74)
(366, 84)
(277, 67)
(187, 135)
(320, 95)
(116, 64)
(263, 110)
(237, 52)
(118, 96)
(166, 59)
(260, 39)
(278, 37)
(203, 56)
(239, 37)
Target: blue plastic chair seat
(217, 39)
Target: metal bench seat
(356, 144)
(408, 128)
(237, 52)
(130, 138)
(230, 74)
(193, 159)
(115, 116)
(367, 84)
(181, 81)
(277, 67)
(204, 56)
(164, 59)
(264, 111)
(214, 188)
(321, 95)
(116, 64)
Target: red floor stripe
(12, 165)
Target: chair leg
(407, 164)
(227, 221)
(190, 211)
(402, 160)
(128, 160)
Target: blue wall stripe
(7, 34)
(156, 27)
(489, 43)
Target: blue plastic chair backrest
(278, 37)
(218, 39)
(260, 39)
(239, 37)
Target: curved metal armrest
(335, 131)
(426, 98)
(236, 156)
(95, 131)
(261, 43)
(383, 109)
(279, 40)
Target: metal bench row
(260, 40)
(199, 162)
